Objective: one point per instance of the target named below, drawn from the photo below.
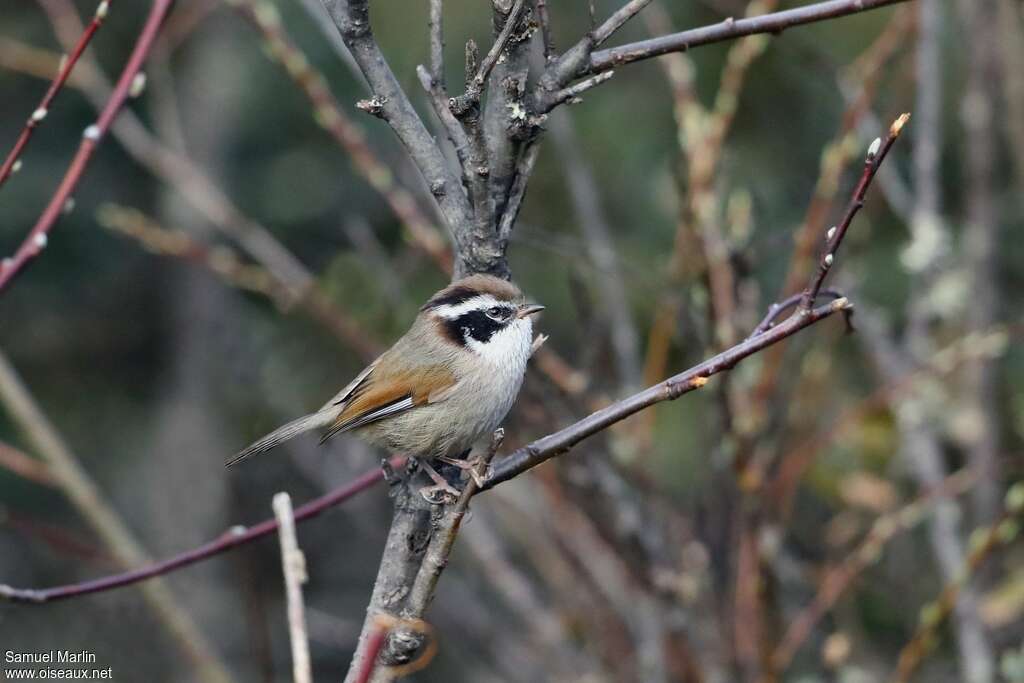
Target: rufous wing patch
(384, 394)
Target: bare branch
(775, 22)
(571, 93)
(293, 564)
(475, 83)
(13, 161)
(230, 539)
(544, 20)
(347, 133)
(352, 19)
(834, 237)
(617, 20)
(25, 465)
(436, 24)
(38, 236)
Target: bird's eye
(497, 312)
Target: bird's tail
(282, 434)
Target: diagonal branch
(13, 161)
(775, 22)
(38, 236)
(389, 102)
(229, 540)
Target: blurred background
(796, 520)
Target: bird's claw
(440, 494)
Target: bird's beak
(528, 309)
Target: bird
(447, 382)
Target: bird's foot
(441, 492)
(470, 465)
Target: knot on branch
(403, 647)
(373, 106)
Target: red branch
(36, 240)
(834, 237)
(373, 647)
(228, 540)
(67, 65)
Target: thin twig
(347, 133)
(229, 540)
(12, 162)
(25, 465)
(774, 23)
(475, 81)
(617, 20)
(544, 19)
(38, 236)
(541, 450)
(834, 237)
(390, 102)
(293, 564)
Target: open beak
(528, 309)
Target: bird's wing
(380, 395)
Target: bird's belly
(452, 426)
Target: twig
(293, 564)
(87, 498)
(25, 466)
(834, 237)
(544, 19)
(560, 442)
(475, 82)
(13, 161)
(373, 646)
(436, 25)
(37, 238)
(347, 133)
(352, 19)
(617, 20)
(229, 540)
(548, 447)
(405, 642)
(775, 23)
(572, 93)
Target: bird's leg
(441, 486)
(467, 464)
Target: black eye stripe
(474, 324)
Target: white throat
(508, 346)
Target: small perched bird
(450, 380)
